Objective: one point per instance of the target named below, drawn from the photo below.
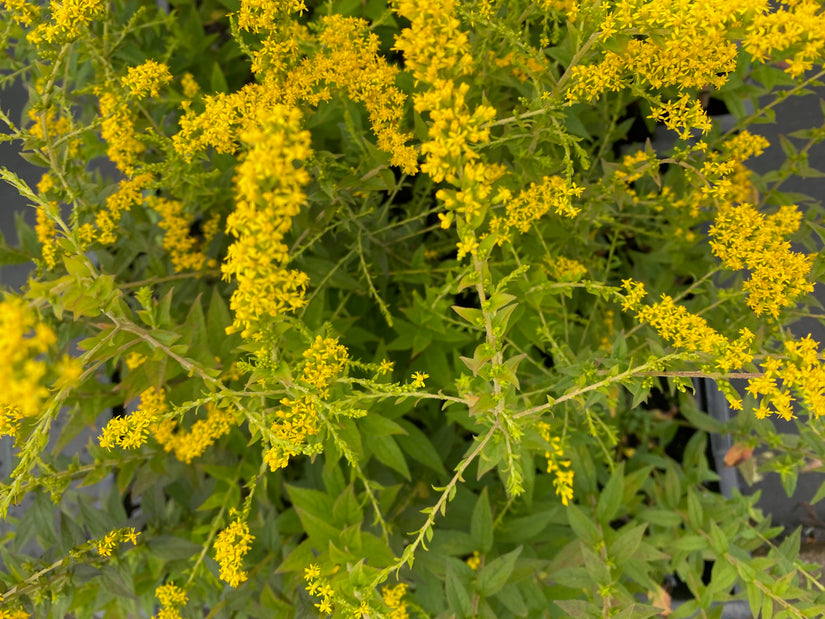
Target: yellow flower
(392, 597)
(231, 546)
(68, 371)
(130, 432)
(385, 367)
(269, 195)
(188, 445)
(117, 127)
(474, 561)
(556, 464)
(146, 79)
(170, 597)
(68, 19)
(418, 379)
(110, 541)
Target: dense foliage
(391, 310)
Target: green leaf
(387, 451)
(694, 505)
(583, 525)
(458, 598)
(42, 512)
(689, 543)
(525, 528)
(376, 425)
(314, 508)
(510, 596)
(298, 559)
(172, 548)
(660, 517)
(627, 542)
(718, 540)
(217, 319)
(673, 488)
(217, 80)
(576, 609)
(789, 476)
(494, 575)
(611, 497)
(116, 582)
(722, 577)
(347, 511)
(481, 523)
(416, 445)
(472, 315)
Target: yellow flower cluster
(797, 26)
(558, 465)
(216, 126)
(434, 46)
(664, 50)
(474, 561)
(48, 122)
(437, 51)
(110, 541)
(266, 15)
(134, 360)
(635, 165)
(520, 65)
(146, 79)
(117, 126)
(349, 58)
(452, 132)
(680, 327)
(191, 444)
(682, 115)
(231, 547)
(569, 8)
(269, 194)
(171, 597)
(46, 234)
(566, 269)
(189, 85)
(130, 432)
(743, 238)
(129, 193)
(319, 587)
(326, 359)
(689, 331)
(17, 613)
(801, 371)
(745, 145)
(23, 13)
(183, 247)
(392, 597)
(297, 420)
(23, 338)
(68, 20)
(530, 205)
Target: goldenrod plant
(383, 309)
